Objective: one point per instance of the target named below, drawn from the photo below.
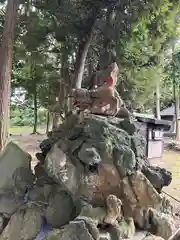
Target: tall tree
(6, 49)
(175, 72)
(157, 96)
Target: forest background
(55, 45)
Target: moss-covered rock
(90, 155)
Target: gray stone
(124, 160)
(90, 225)
(25, 224)
(72, 231)
(141, 185)
(118, 149)
(42, 176)
(3, 222)
(23, 180)
(124, 230)
(159, 177)
(152, 237)
(10, 203)
(63, 163)
(134, 198)
(60, 210)
(139, 235)
(162, 224)
(138, 143)
(166, 206)
(141, 218)
(60, 168)
(46, 146)
(128, 126)
(89, 155)
(55, 234)
(40, 193)
(11, 159)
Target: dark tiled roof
(170, 111)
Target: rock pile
(91, 182)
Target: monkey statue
(103, 98)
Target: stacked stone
(91, 182)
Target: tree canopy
(59, 44)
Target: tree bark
(177, 115)
(55, 121)
(81, 59)
(35, 110)
(6, 49)
(47, 121)
(176, 94)
(158, 115)
(55, 113)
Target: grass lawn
(25, 129)
(19, 130)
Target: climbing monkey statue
(103, 98)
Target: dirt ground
(29, 143)
(170, 161)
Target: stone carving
(113, 210)
(103, 98)
(99, 78)
(104, 215)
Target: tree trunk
(176, 94)
(35, 110)
(66, 83)
(55, 121)
(158, 115)
(47, 122)
(5, 68)
(81, 59)
(55, 112)
(177, 115)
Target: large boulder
(15, 169)
(75, 230)
(25, 224)
(60, 209)
(159, 177)
(10, 203)
(89, 159)
(137, 194)
(92, 157)
(16, 178)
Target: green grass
(24, 129)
